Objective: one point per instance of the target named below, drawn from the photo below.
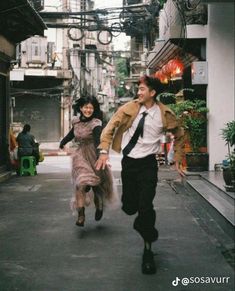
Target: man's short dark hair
(152, 83)
(26, 128)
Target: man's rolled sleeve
(107, 134)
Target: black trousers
(139, 181)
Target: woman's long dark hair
(89, 100)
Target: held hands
(101, 162)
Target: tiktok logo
(176, 281)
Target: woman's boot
(99, 206)
(81, 216)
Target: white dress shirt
(153, 131)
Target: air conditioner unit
(36, 48)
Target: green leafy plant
(193, 117)
(166, 98)
(228, 135)
(197, 129)
(161, 2)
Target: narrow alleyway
(41, 248)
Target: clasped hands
(101, 162)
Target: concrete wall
(220, 94)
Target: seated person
(27, 145)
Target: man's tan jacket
(123, 119)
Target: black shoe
(99, 207)
(81, 216)
(80, 223)
(148, 264)
(98, 214)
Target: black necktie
(138, 132)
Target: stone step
(4, 175)
(217, 198)
(2, 169)
(216, 179)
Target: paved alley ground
(41, 248)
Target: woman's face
(87, 110)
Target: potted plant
(228, 135)
(193, 117)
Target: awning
(188, 50)
(19, 20)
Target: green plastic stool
(28, 166)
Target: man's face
(145, 94)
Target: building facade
(201, 35)
(66, 64)
(15, 26)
